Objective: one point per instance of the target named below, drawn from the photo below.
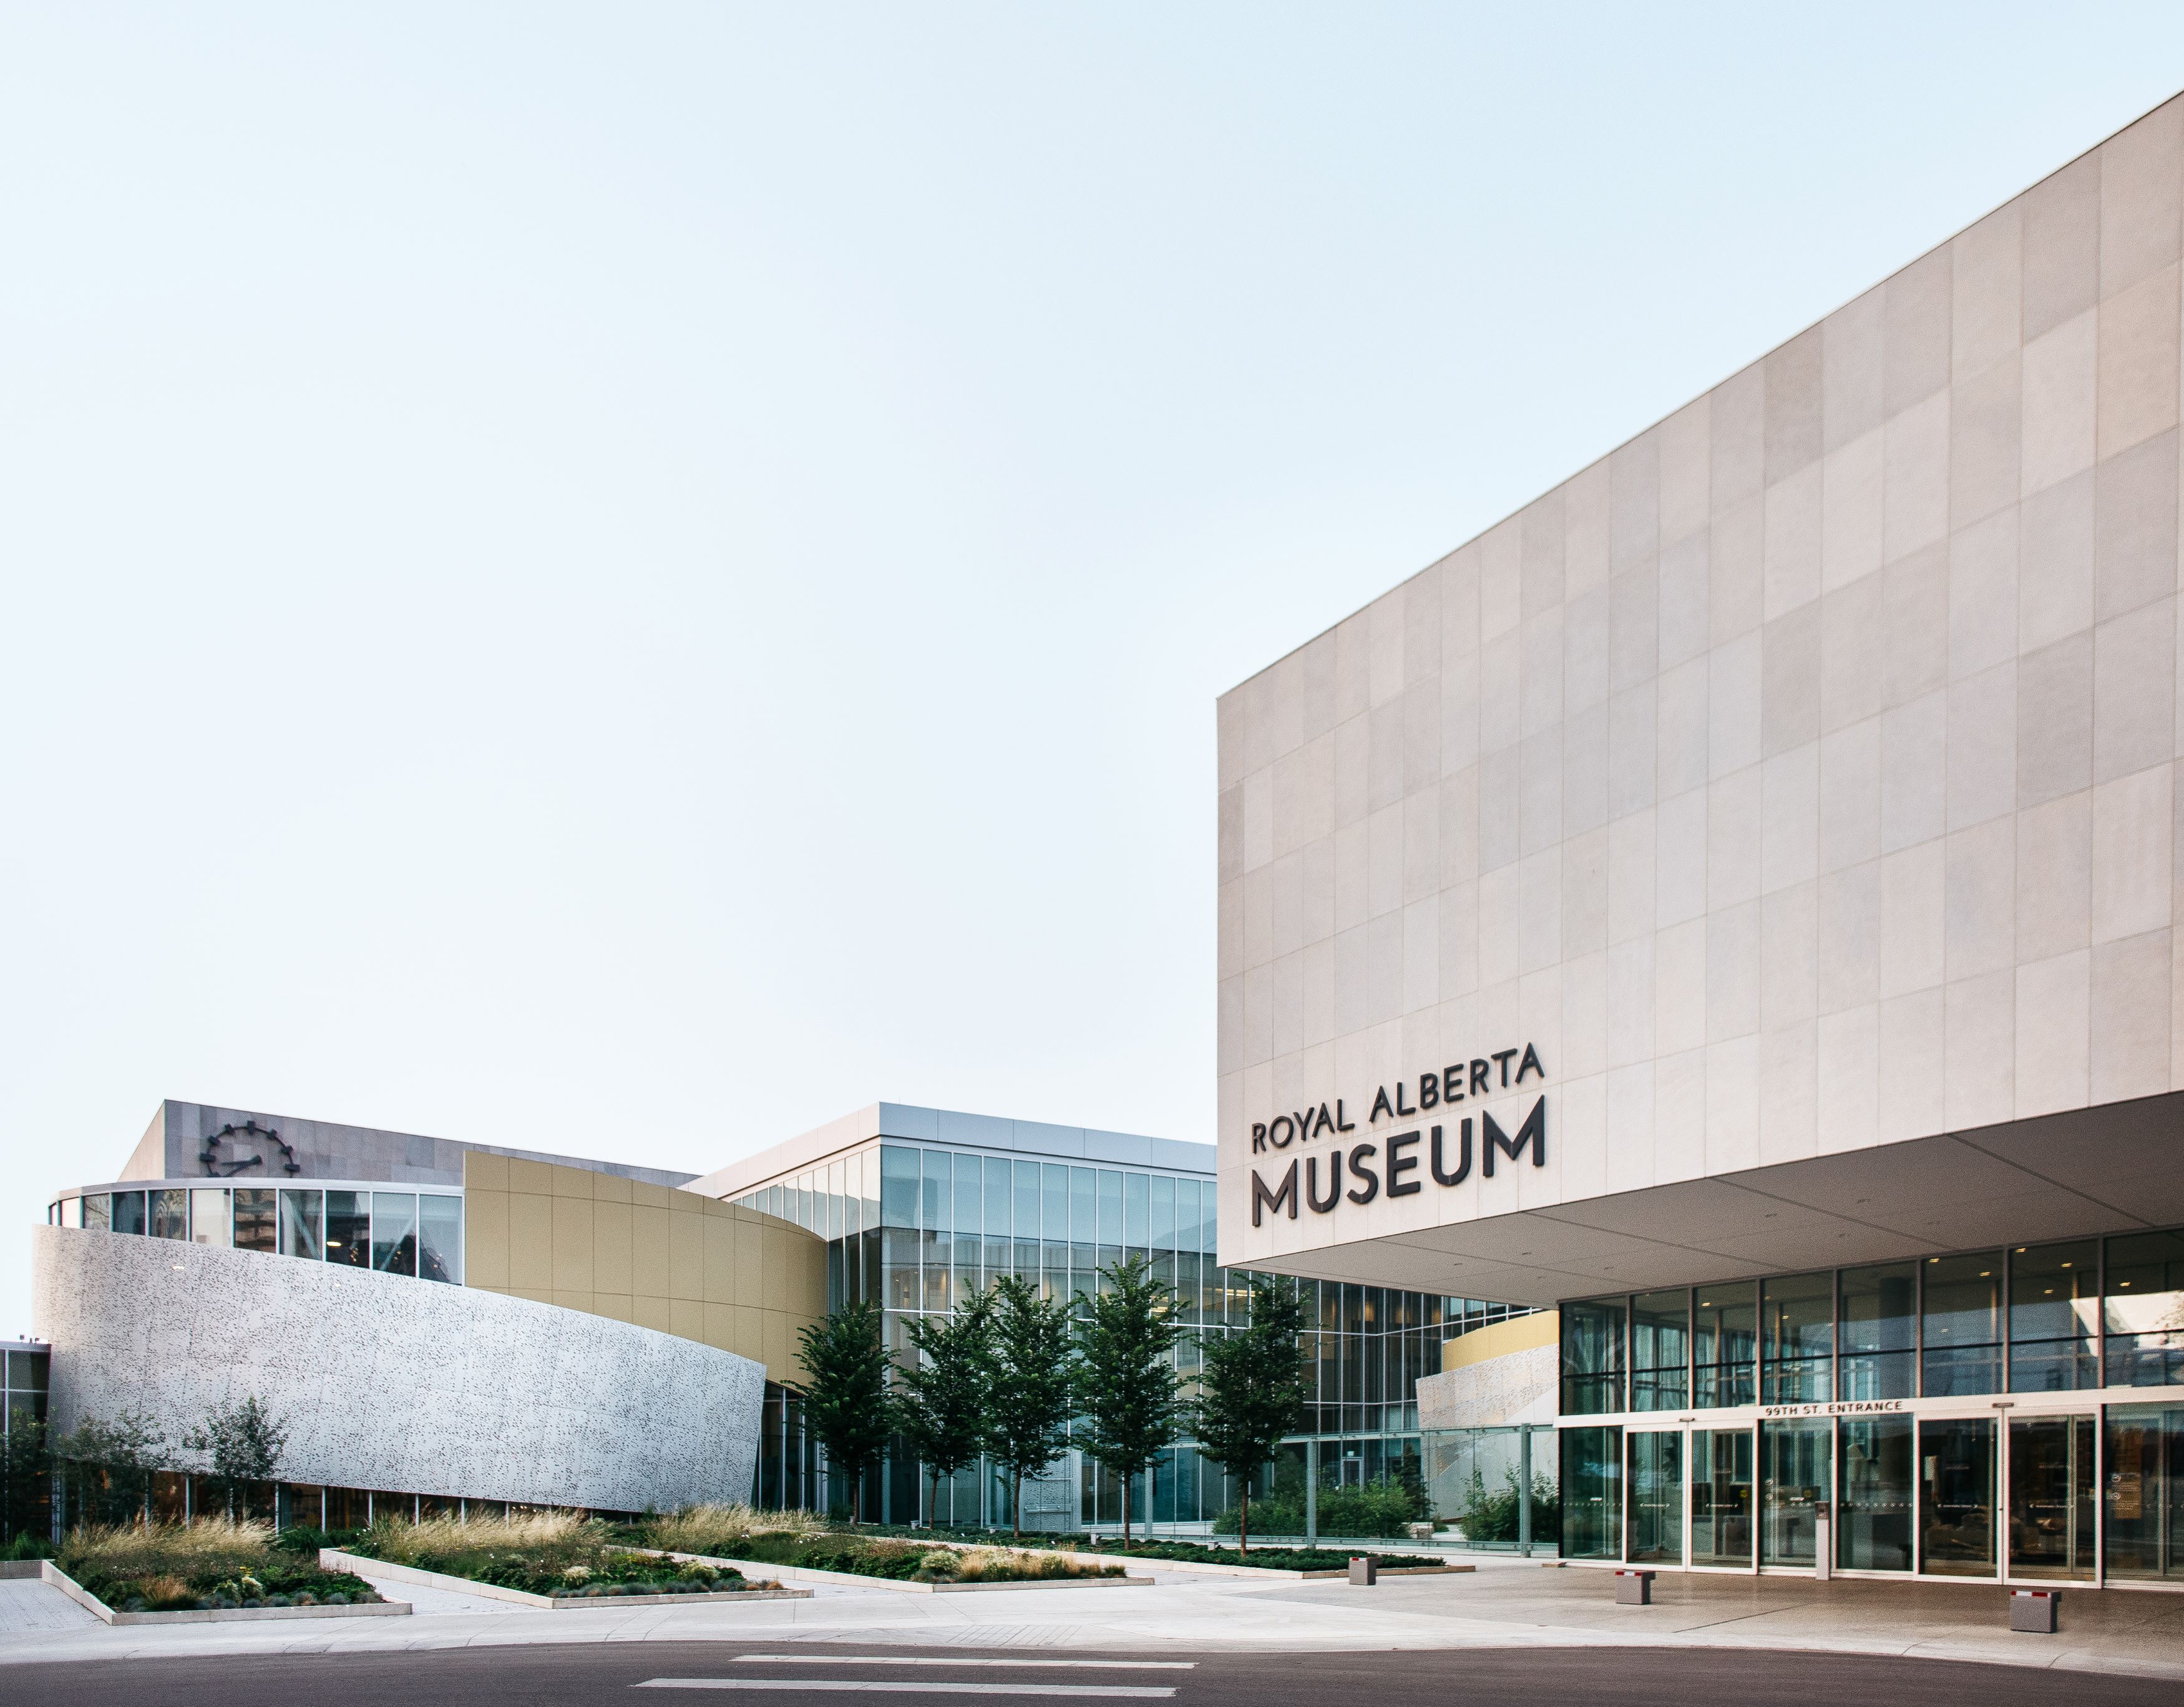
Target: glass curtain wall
(920, 1229)
(417, 1233)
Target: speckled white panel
(1495, 1391)
(390, 1383)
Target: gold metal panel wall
(669, 1259)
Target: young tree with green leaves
(110, 1467)
(25, 1476)
(940, 1396)
(1126, 1376)
(243, 1442)
(1251, 1390)
(1027, 1398)
(846, 1404)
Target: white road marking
(935, 1659)
(889, 1686)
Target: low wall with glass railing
(363, 1225)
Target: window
(128, 1212)
(254, 1218)
(98, 1211)
(1660, 1350)
(170, 1214)
(348, 1228)
(1962, 1325)
(303, 1224)
(440, 1237)
(1879, 1337)
(1591, 1357)
(394, 1232)
(1725, 1344)
(2054, 1317)
(1797, 1316)
(1137, 1195)
(898, 1187)
(2145, 1309)
(938, 1207)
(209, 1222)
(997, 1198)
(1592, 1491)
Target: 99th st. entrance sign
(1465, 1082)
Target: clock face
(247, 1147)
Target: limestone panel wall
(1799, 778)
(390, 1383)
(664, 1258)
(1508, 1373)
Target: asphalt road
(586, 1674)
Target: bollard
(1634, 1588)
(1822, 1542)
(2033, 1611)
(1364, 1572)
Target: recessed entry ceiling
(2090, 1171)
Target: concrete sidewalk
(1510, 1605)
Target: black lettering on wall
(1429, 1091)
(1341, 1125)
(1399, 1164)
(1441, 1176)
(1333, 1182)
(1282, 1133)
(1380, 1107)
(1364, 1175)
(1501, 1060)
(1534, 1132)
(1452, 1083)
(1478, 1078)
(1399, 1088)
(1322, 1121)
(1263, 1198)
(1258, 1137)
(1530, 1063)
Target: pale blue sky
(628, 579)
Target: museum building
(1735, 899)
(446, 1327)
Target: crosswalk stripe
(904, 1686)
(941, 1659)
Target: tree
(846, 1405)
(1027, 1401)
(244, 1441)
(112, 1465)
(940, 1398)
(1125, 1373)
(25, 1476)
(1251, 1390)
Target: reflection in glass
(938, 1208)
(2054, 1317)
(997, 1201)
(254, 1218)
(348, 1228)
(2050, 1497)
(128, 1212)
(1725, 1344)
(1797, 1324)
(1656, 1499)
(1873, 1521)
(1054, 1206)
(1110, 1214)
(2145, 1309)
(209, 1217)
(2145, 1492)
(71, 1212)
(98, 1211)
(1591, 1356)
(1162, 1235)
(1083, 1222)
(898, 1187)
(900, 1247)
(1956, 1497)
(302, 1224)
(1660, 1350)
(1962, 1325)
(394, 1232)
(1136, 1210)
(1592, 1492)
(440, 1237)
(1797, 1478)
(1880, 1333)
(1721, 1496)
(170, 1214)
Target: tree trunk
(1127, 1479)
(1244, 1519)
(1015, 1510)
(932, 1498)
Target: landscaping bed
(914, 1561)
(1330, 1559)
(208, 1565)
(547, 1556)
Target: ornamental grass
(722, 1529)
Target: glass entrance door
(1873, 1526)
(2050, 1497)
(2145, 1485)
(1721, 1497)
(1956, 1497)
(1797, 1468)
(1656, 1482)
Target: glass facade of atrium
(920, 1227)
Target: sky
(627, 579)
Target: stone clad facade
(1800, 779)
